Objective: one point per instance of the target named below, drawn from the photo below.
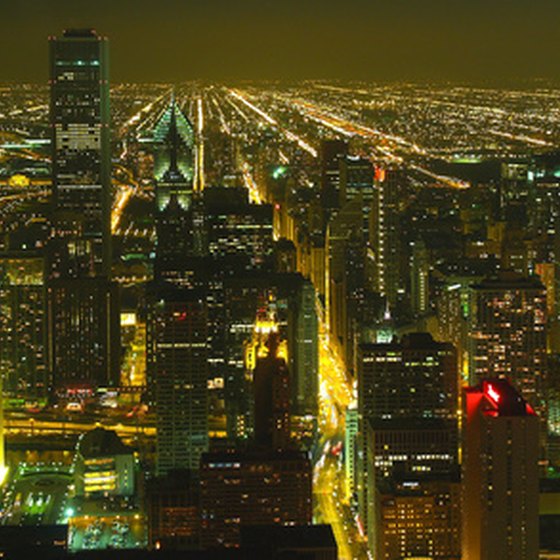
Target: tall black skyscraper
(179, 239)
(83, 341)
(177, 329)
(80, 136)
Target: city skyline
(275, 320)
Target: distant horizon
(521, 84)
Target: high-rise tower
(82, 327)
(178, 375)
(80, 136)
(507, 334)
(500, 474)
(174, 145)
(385, 234)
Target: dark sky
(173, 40)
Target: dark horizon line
(479, 82)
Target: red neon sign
(492, 393)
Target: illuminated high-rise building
(271, 382)
(177, 368)
(356, 180)
(407, 403)
(303, 348)
(413, 378)
(419, 519)
(332, 152)
(343, 230)
(252, 487)
(351, 450)
(81, 156)
(507, 323)
(385, 233)
(174, 146)
(239, 233)
(23, 333)
(180, 236)
(419, 278)
(83, 327)
(82, 320)
(500, 506)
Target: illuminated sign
(492, 393)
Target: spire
(387, 313)
(174, 137)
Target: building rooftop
(287, 537)
(509, 280)
(84, 33)
(101, 443)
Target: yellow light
(3, 474)
(19, 180)
(128, 319)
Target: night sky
(174, 40)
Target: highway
(72, 424)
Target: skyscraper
(419, 278)
(507, 334)
(177, 361)
(271, 383)
(332, 152)
(385, 234)
(179, 237)
(500, 474)
(252, 488)
(303, 350)
(174, 144)
(81, 157)
(23, 340)
(407, 402)
(356, 180)
(82, 322)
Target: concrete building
(500, 502)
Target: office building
(412, 378)
(351, 451)
(420, 279)
(507, 329)
(252, 488)
(271, 383)
(177, 369)
(104, 466)
(83, 327)
(332, 152)
(81, 157)
(173, 146)
(419, 519)
(83, 330)
(407, 403)
(23, 332)
(356, 181)
(173, 511)
(385, 233)
(239, 233)
(500, 474)
(303, 349)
